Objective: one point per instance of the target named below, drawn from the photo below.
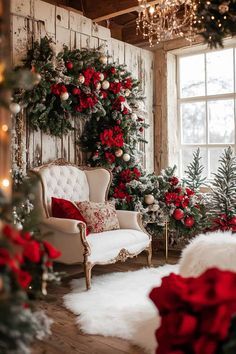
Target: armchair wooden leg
(88, 271)
(149, 255)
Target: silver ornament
(15, 107)
(64, 96)
(126, 157)
(105, 85)
(149, 199)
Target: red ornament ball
(69, 65)
(189, 221)
(178, 214)
(232, 221)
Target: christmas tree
(193, 174)
(223, 202)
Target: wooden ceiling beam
(107, 9)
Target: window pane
(192, 76)
(187, 157)
(221, 121)
(193, 117)
(220, 73)
(215, 154)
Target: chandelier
(166, 19)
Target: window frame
(195, 50)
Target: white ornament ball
(149, 199)
(134, 116)
(105, 85)
(81, 79)
(102, 77)
(103, 59)
(119, 153)
(127, 93)
(64, 96)
(15, 108)
(126, 157)
(98, 86)
(38, 78)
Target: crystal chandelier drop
(166, 19)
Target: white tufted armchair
(64, 180)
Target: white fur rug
(118, 305)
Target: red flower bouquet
(196, 313)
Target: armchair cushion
(105, 246)
(99, 216)
(62, 208)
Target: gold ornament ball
(119, 153)
(126, 157)
(105, 85)
(64, 96)
(149, 199)
(103, 59)
(81, 79)
(15, 108)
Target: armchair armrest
(69, 226)
(130, 220)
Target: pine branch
(194, 179)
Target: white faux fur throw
(118, 305)
(215, 249)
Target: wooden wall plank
(45, 12)
(62, 17)
(21, 8)
(101, 32)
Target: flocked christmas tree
(223, 202)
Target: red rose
(140, 119)
(112, 70)
(88, 74)
(32, 251)
(189, 221)
(52, 252)
(24, 278)
(189, 192)
(110, 157)
(174, 181)
(141, 129)
(185, 202)
(115, 87)
(127, 83)
(178, 214)
(196, 312)
(69, 65)
(76, 91)
(96, 77)
(58, 89)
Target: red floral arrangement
(22, 251)
(112, 137)
(224, 223)
(181, 202)
(120, 191)
(196, 313)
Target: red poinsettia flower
(112, 137)
(76, 91)
(170, 198)
(96, 77)
(52, 252)
(117, 103)
(189, 192)
(24, 278)
(13, 235)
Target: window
(206, 105)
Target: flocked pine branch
(193, 173)
(224, 185)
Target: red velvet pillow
(64, 209)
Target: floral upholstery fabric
(99, 217)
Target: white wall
(32, 19)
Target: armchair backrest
(61, 179)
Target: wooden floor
(66, 337)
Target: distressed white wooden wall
(33, 19)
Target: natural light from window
(206, 105)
